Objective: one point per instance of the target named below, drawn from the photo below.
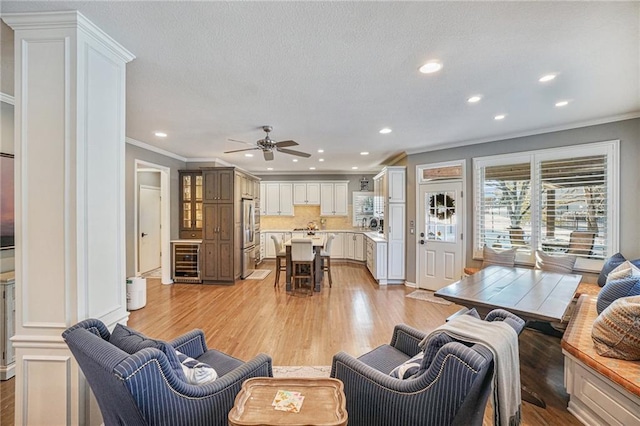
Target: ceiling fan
(267, 145)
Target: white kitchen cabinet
(390, 189)
(376, 258)
(354, 246)
(337, 246)
(334, 199)
(278, 199)
(306, 193)
(395, 224)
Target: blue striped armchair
(143, 388)
(452, 390)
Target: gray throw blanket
(502, 340)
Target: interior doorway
(149, 228)
(152, 175)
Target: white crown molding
(211, 160)
(65, 20)
(152, 148)
(7, 99)
(570, 126)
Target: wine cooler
(186, 261)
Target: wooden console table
(324, 402)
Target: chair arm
(177, 402)
(406, 339)
(376, 399)
(192, 344)
(514, 321)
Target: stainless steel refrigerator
(248, 238)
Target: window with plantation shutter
(561, 201)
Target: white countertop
(187, 241)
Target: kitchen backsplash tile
(302, 216)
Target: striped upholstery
(143, 389)
(452, 390)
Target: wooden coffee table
(324, 402)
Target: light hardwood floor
(354, 316)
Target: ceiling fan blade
(268, 155)
(239, 150)
(284, 144)
(292, 152)
(236, 140)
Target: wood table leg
(289, 271)
(318, 268)
(532, 397)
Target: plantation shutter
(504, 208)
(573, 204)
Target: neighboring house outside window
(560, 200)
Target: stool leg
(277, 281)
(329, 271)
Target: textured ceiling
(329, 75)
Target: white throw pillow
(196, 372)
(561, 264)
(624, 270)
(502, 258)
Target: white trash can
(136, 293)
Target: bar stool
(281, 259)
(326, 256)
(302, 260)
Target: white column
(70, 247)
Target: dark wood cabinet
(191, 190)
(218, 185)
(218, 243)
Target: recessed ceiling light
(385, 131)
(562, 103)
(430, 67)
(355, 167)
(546, 78)
(321, 150)
(321, 159)
(474, 99)
(295, 160)
(364, 153)
(269, 168)
(500, 117)
(312, 168)
(160, 134)
(248, 155)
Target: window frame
(610, 149)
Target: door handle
(422, 242)
(144, 234)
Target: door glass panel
(440, 218)
(198, 215)
(198, 188)
(186, 215)
(186, 188)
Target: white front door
(439, 235)
(149, 228)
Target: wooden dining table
(532, 294)
(318, 245)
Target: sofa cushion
(502, 258)
(222, 362)
(561, 264)
(612, 263)
(196, 372)
(132, 341)
(616, 331)
(409, 368)
(615, 289)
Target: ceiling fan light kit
(267, 145)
